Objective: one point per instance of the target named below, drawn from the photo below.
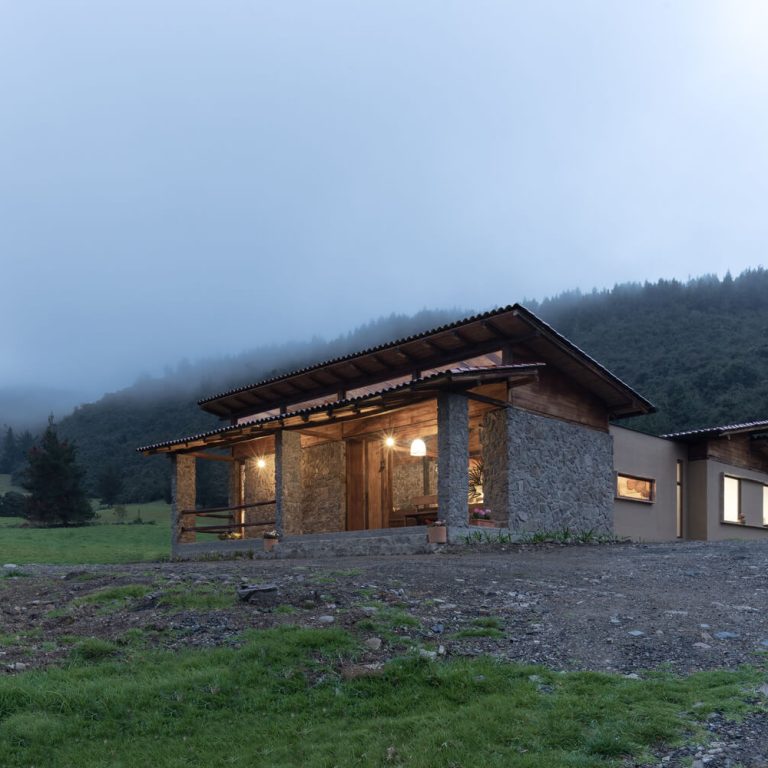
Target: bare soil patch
(617, 608)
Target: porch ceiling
(513, 328)
(383, 401)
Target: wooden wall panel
(557, 396)
(738, 451)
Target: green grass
(99, 543)
(202, 597)
(279, 700)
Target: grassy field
(100, 543)
(282, 700)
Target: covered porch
(371, 471)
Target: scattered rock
(264, 595)
(726, 635)
(326, 619)
(373, 643)
(636, 633)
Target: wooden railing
(225, 513)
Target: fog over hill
(698, 350)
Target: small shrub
(94, 649)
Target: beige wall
(635, 453)
(717, 530)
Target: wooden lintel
(211, 456)
(487, 400)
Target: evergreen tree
(109, 485)
(8, 452)
(54, 479)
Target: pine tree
(8, 452)
(54, 479)
(109, 485)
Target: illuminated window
(635, 488)
(765, 505)
(731, 499)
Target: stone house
(355, 454)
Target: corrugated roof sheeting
(459, 374)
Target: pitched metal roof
(721, 431)
(512, 325)
(420, 388)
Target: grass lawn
(280, 700)
(100, 543)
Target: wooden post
(183, 494)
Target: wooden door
(375, 472)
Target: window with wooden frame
(632, 488)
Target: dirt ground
(621, 608)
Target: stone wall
(259, 486)
(408, 479)
(288, 488)
(560, 474)
(183, 494)
(323, 479)
(494, 439)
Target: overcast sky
(181, 178)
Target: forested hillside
(697, 350)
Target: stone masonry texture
(288, 482)
(560, 474)
(323, 479)
(494, 440)
(452, 458)
(183, 493)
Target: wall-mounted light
(389, 441)
(418, 447)
(261, 463)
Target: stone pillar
(183, 496)
(259, 485)
(288, 488)
(452, 459)
(494, 440)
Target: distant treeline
(698, 350)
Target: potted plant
(482, 517)
(270, 540)
(437, 532)
(476, 476)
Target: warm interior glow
(418, 447)
(261, 463)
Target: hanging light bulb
(418, 447)
(389, 441)
(261, 463)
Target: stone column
(452, 459)
(495, 444)
(288, 488)
(183, 496)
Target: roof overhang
(382, 401)
(513, 328)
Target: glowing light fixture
(418, 447)
(389, 441)
(261, 463)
